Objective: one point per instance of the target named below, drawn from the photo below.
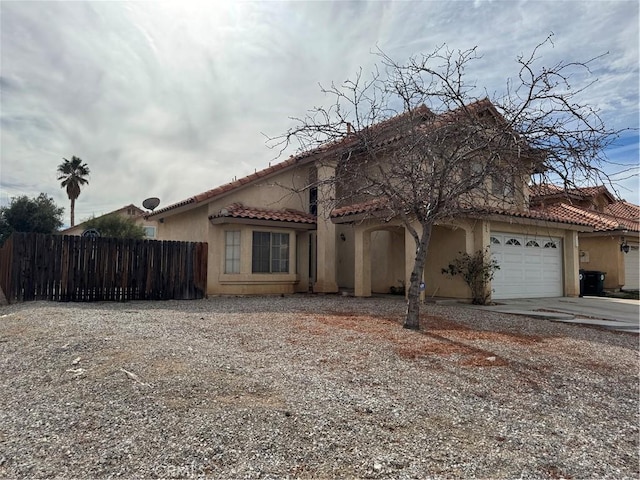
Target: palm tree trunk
(73, 211)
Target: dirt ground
(310, 387)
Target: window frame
(274, 251)
(150, 227)
(503, 187)
(232, 251)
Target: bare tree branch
(412, 143)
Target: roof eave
(300, 226)
(540, 222)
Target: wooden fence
(71, 268)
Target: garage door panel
(527, 268)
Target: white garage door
(631, 269)
(529, 266)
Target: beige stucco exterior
(283, 191)
(382, 254)
(351, 250)
(600, 251)
(365, 255)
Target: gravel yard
(310, 387)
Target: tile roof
(538, 192)
(422, 112)
(534, 214)
(623, 209)
(238, 210)
(618, 215)
(598, 220)
(542, 214)
(356, 208)
(228, 187)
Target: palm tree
(72, 173)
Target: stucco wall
(246, 282)
(189, 226)
(445, 245)
(345, 256)
(603, 253)
(387, 260)
(285, 190)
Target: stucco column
(362, 267)
(326, 232)
(481, 236)
(571, 264)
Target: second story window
(313, 200)
(502, 187)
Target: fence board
(71, 268)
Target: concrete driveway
(615, 313)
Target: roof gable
(421, 114)
(547, 193)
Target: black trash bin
(594, 282)
(581, 277)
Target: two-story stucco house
(271, 233)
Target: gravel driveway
(310, 387)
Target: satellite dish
(151, 203)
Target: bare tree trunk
(73, 209)
(412, 320)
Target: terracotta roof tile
(346, 141)
(364, 207)
(624, 210)
(238, 210)
(228, 187)
(536, 214)
(598, 220)
(538, 192)
(541, 214)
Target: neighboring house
(129, 211)
(270, 233)
(612, 246)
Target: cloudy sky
(170, 99)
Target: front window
(232, 252)
(270, 252)
(149, 232)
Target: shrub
(477, 271)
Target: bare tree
(414, 142)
